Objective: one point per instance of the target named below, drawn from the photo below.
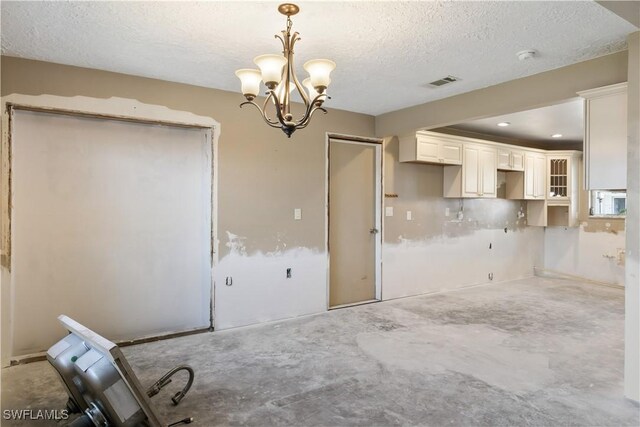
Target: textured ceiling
(386, 51)
(535, 125)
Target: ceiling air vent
(443, 81)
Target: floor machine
(101, 385)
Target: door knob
(373, 231)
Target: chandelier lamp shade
(277, 72)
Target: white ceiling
(535, 125)
(386, 51)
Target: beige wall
(263, 175)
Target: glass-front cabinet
(558, 168)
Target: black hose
(166, 379)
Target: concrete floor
(529, 352)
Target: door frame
(377, 143)
(121, 109)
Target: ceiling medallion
(278, 72)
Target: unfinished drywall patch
(449, 262)
(597, 256)
(253, 287)
(114, 108)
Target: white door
(111, 225)
(354, 222)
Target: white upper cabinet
(476, 177)
(605, 137)
(535, 176)
(510, 160)
(431, 147)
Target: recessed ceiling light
(556, 135)
(503, 124)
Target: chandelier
(278, 74)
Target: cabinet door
(558, 179)
(451, 153)
(504, 159)
(517, 160)
(427, 150)
(607, 142)
(540, 176)
(471, 172)
(529, 179)
(488, 172)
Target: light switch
(297, 213)
(447, 212)
(409, 216)
(388, 211)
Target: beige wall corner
(539, 90)
(632, 279)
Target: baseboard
(41, 356)
(553, 274)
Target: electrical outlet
(447, 212)
(388, 211)
(297, 214)
(409, 216)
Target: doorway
(354, 221)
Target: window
(608, 203)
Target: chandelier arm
(311, 107)
(281, 40)
(276, 101)
(296, 82)
(262, 112)
(313, 110)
